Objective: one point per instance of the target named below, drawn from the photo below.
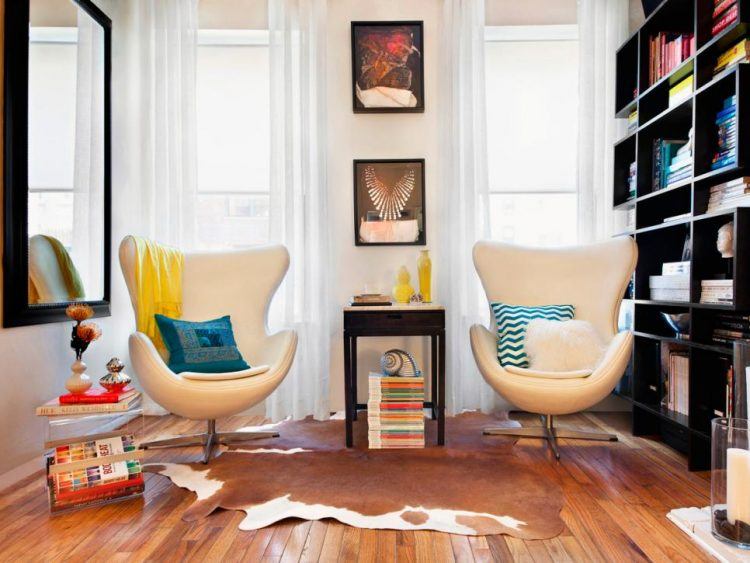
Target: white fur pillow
(563, 345)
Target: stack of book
(739, 53)
(735, 193)
(717, 291)
(632, 121)
(95, 400)
(724, 14)
(93, 470)
(681, 91)
(726, 125)
(667, 51)
(730, 328)
(632, 180)
(672, 162)
(674, 287)
(677, 382)
(371, 300)
(395, 415)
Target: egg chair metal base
(208, 440)
(548, 432)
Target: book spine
(725, 21)
(53, 410)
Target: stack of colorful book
(681, 91)
(632, 121)
(739, 53)
(717, 291)
(95, 400)
(667, 51)
(730, 328)
(726, 132)
(724, 14)
(735, 193)
(672, 162)
(395, 415)
(93, 470)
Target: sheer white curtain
(602, 27)
(88, 165)
(299, 217)
(154, 95)
(465, 195)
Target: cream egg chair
(594, 279)
(240, 284)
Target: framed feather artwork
(389, 202)
(387, 67)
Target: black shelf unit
(665, 217)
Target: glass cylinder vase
(730, 480)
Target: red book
(96, 395)
(726, 20)
(721, 5)
(99, 491)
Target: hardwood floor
(617, 496)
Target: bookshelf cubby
(664, 218)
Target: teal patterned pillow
(512, 321)
(202, 347)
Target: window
(233, 130)
(532, 129)
(52, 120)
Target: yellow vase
(403, 290)
(424, 270)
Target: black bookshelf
(683, 205)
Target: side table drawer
(394, 319)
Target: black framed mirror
(57, 191)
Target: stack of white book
(675, 287)
(735, 193)
(717, 291)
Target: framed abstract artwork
(389, 202)
(387, 67)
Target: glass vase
(730, 481)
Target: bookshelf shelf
(671, 223)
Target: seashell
(399, 362)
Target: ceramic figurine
(403, 290)
(424, 270)
(116, 380)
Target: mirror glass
(65, 154)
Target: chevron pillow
(512, 321)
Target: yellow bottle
(424, 269)
(403, 290)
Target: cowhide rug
(472, 486)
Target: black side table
(396, 320)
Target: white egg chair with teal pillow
(240, 284)
(593, 279)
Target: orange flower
(88, 332)
(79, 312)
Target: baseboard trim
(10, 478)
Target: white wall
(353, 136)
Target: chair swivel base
(548, 432)
(208, 439)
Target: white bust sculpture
(725, 240)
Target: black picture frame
(414, 63)
(16, 309)
(364, 205)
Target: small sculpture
(725, 240)
(416, 298)
(403, 290)
(115, 380)
(399, 362)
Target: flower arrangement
(84, 333)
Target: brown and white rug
(472, 486)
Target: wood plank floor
(616, 499)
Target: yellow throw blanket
(68, 270)
(158, 279)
